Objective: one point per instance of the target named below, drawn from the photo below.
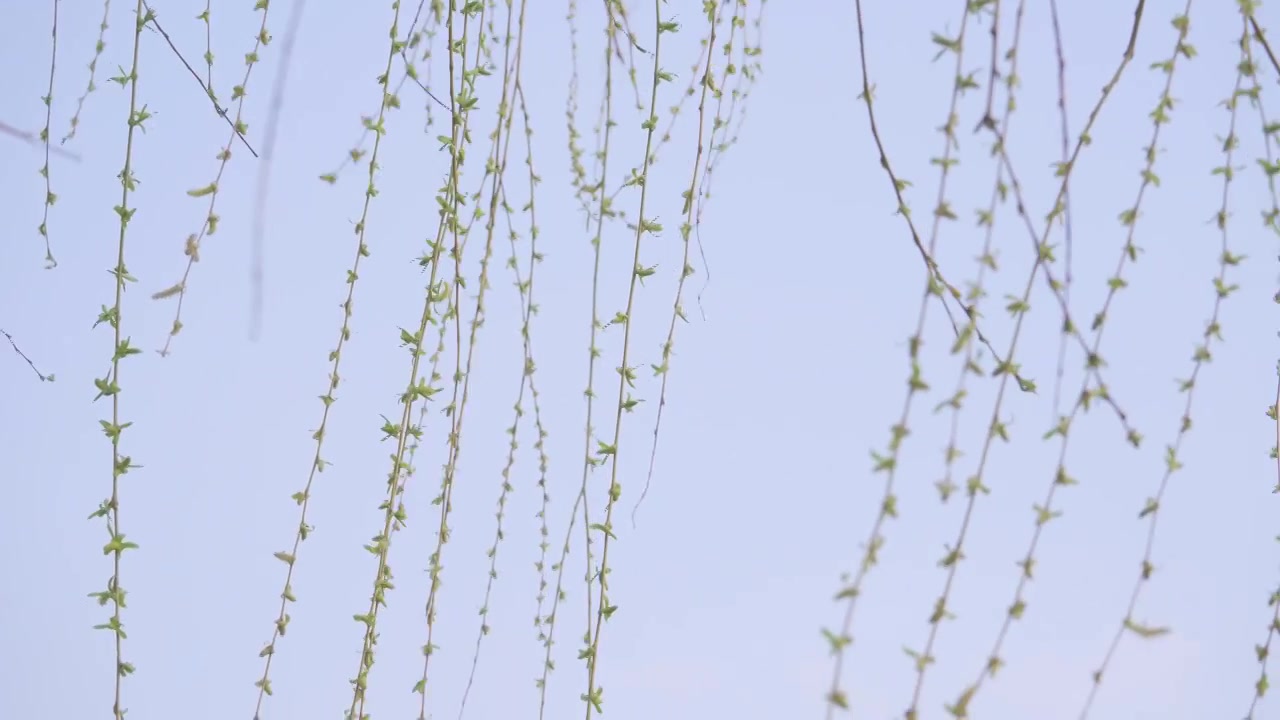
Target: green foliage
(481, 45)
(469, 33)
(1093, 389)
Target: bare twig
(208, 93)
(36, 370)
(1262, 40)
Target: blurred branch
(33, 139)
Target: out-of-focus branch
(33, 139)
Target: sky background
(790, 372)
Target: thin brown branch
(36, 370)
(1261, 37)
(207, 91)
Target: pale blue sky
(763, 494)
